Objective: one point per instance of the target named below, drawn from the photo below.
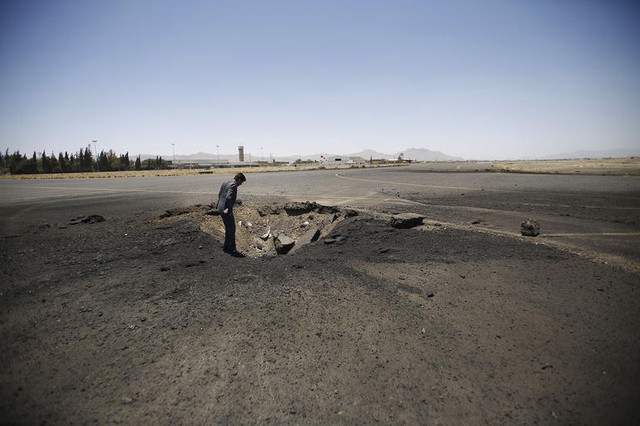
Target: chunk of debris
(268, 210)
(337, 238)
(283, 243)
(308, 237)
(406, 220)
(266, 235)
(351, 213)
(176, 212)
(92, 218)
(298, 208)
(530, 228)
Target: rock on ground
(406, 220)
(530, 228)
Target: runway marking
(344, 200)
(579, 234)
(586, 207)
(464, 188)
(627, 264)
(589, 234)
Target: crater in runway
(269, 229)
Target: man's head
(239, 178)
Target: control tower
(241, 153)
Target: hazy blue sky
(479, 79)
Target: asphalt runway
(595, 216)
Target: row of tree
(82, 161)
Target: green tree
(88, 160)
(33, 164)
(55, 165)
(114, 161)
(125, 164)
(46, 164)
(17, 163)
(154, 164)
(74, 166)
(62, 163)
(85, 159)
(81, 159)
(103, 162)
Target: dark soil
(144, 320)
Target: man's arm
(232, 193)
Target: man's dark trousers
(229, 232)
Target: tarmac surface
(595, 216)
(142, 319)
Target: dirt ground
(144, 320)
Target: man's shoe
(234, 253)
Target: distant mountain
(416, 154)
(197, 156)
(611, 153)
(422, 154)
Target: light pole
(218, 151)
(95, 145)
(261, 154)
(173, 145)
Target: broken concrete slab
(308, 237)
(406, 220)
(283, 243)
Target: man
(226, 200)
